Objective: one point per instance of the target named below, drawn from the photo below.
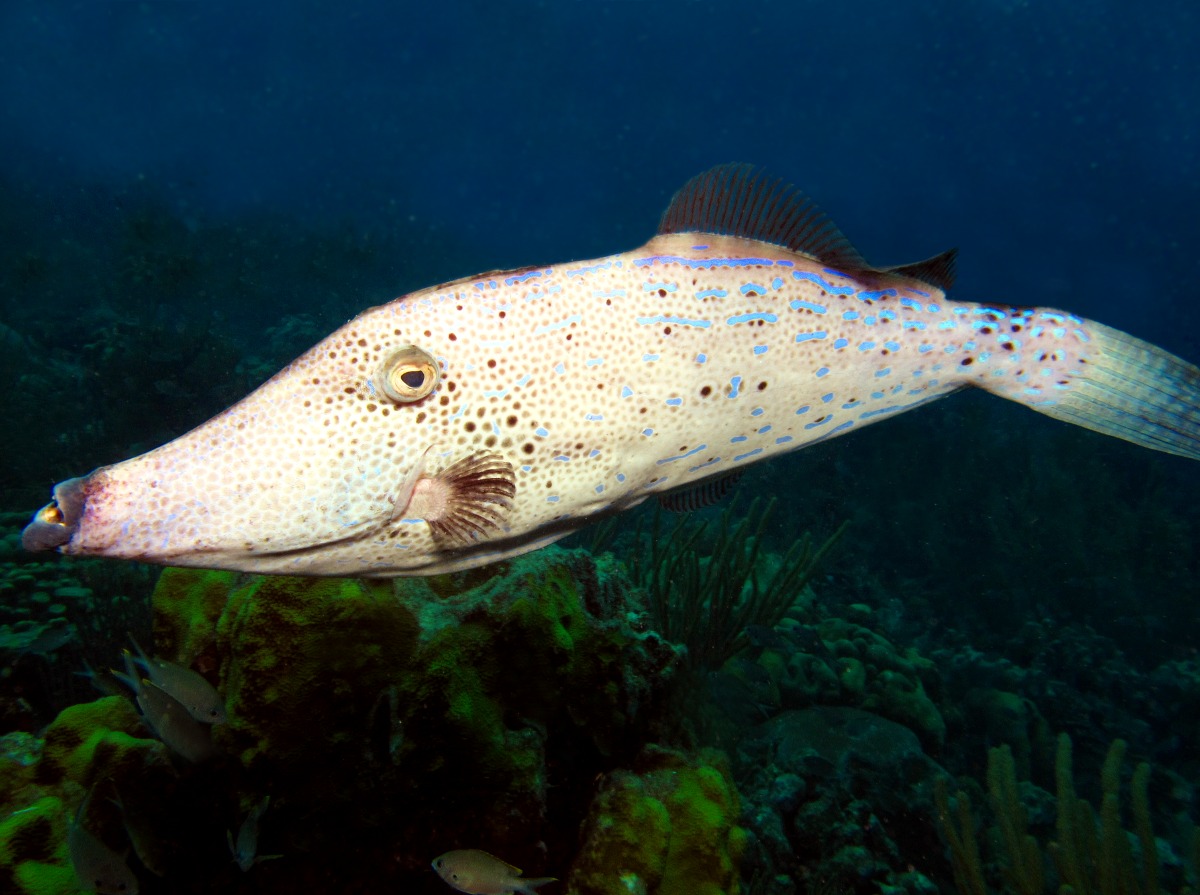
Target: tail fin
(1112, 383)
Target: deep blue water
(1057, 146)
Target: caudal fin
(1113, 383)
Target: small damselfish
(487, 417)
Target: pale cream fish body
(484, 418)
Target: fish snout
(55, 523)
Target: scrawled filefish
(490, 416)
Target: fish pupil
(413, 378)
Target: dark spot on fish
(444, 400)
(511, 421)
(762, 386)
(452, 337)
(361, 343)
(1007, 346)
(884, 351)
(470, 426)
(428, 334)
(985, 330)
(1016, 327)
(451, 385)
(490, 441)
(549, 483)
(349, 390)
(372, 408)
(568, 337)
(502, 314)
(966, 361)
(643, 410)
(706, 391)
(528, 447)
(666, 330)
(662, 293)
(421, 417)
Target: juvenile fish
(197, 695)
(105, 682)
(479, 873)
(97, 867)
(146, 836)
(245, 848)
(167, 718)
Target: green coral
(100, 742)
(94, 741)
(305, 656)
(361, 698)
(668, 827)
(187, 604)
(410, 715)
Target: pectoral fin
(464, 500)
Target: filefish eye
(408, 374)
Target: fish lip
(57, 522)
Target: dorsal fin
(699, 497)
(740, 200)
(936, 271)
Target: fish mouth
(56, 523)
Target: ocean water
(192, 194)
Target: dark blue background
(1056, 144)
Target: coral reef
(55, 614)
(831, 793)
(410, 716)
(705, 592)
(808, 661)
(668, 826)
(1090, 852)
